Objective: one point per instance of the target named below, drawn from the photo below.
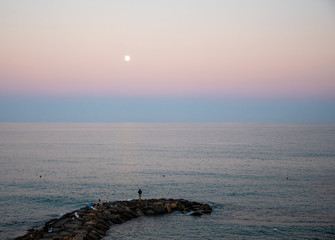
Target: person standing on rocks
(139, 194)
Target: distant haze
(190, 60)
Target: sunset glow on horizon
(199, 49)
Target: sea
(263, 180)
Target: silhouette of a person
(139, 194)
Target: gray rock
(158, 209)
(72, 225)
(196, 214)
(93, 236)
(149, 212)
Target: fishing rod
(170, 188)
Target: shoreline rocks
(93, 223)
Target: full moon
(127, 58)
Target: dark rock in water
(206, 211)
(206, 207)
(159, 210)
(181, 207)
(196, 214)
(195, 207)
(139, 213)
(93, 235)
(93, 224)
(149, 212)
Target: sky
(191, 61)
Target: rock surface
(93, 224)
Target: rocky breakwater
(93, 223)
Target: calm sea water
(265, 181)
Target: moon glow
(127, 58)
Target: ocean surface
(264, 181)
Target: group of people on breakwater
(100, 203)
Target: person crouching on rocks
(139, 194)
(100, 202)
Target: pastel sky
(208, 50)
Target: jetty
(93, 222)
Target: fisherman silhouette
(139, 194)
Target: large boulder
(159, 209)
(206, 207)
(168, 208)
